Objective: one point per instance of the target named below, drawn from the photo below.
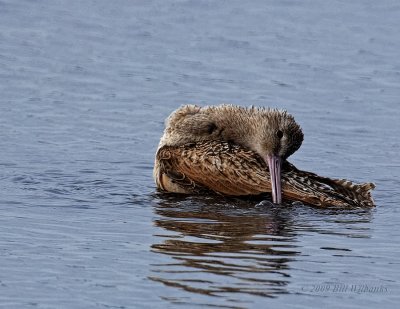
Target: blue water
(84, 89)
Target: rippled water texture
(85, 87)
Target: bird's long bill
(274, 164)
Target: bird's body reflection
(210, 239)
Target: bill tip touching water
(238, 151)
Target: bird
(242, 151)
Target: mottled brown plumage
(223, 149)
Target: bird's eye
(279, 134)
(211, 127)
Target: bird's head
(273, 134)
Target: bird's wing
(221, 167)
(229, 169)
(329, 188)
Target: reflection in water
(235, 247)
(214, 238)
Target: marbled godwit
(237, 151)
